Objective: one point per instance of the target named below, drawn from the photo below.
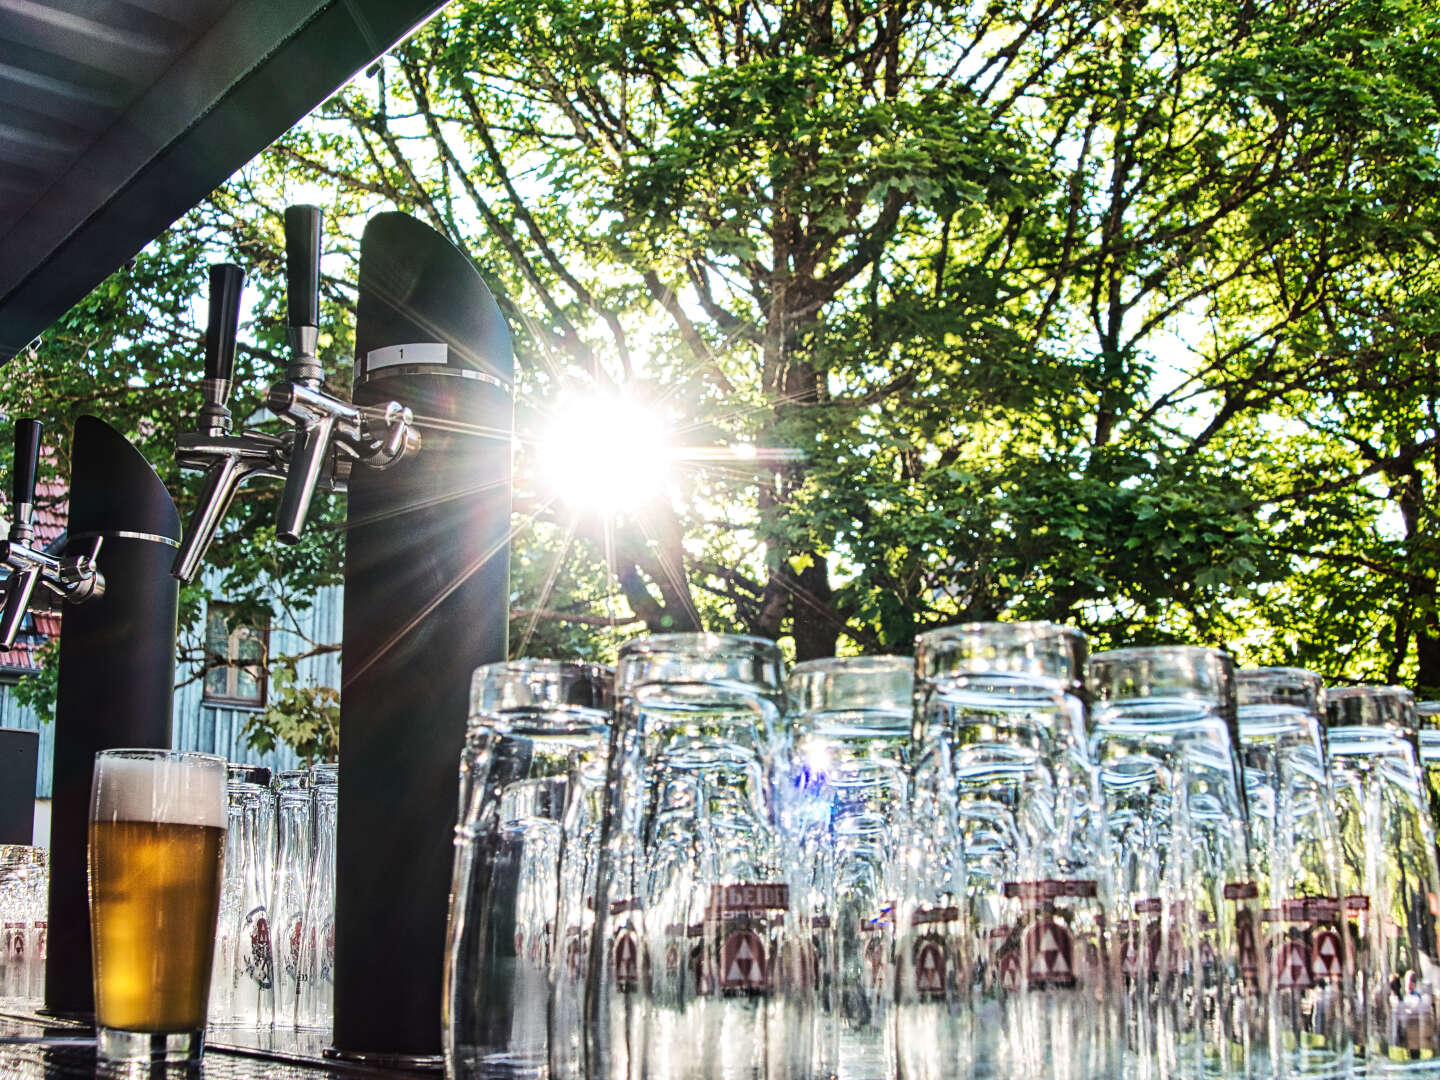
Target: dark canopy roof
(118, 116)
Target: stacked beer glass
(275, 935)
(24, 884)
(1003, 858)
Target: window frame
(232, 665)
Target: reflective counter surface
(34, 1047)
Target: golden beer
(157, 836)
(154, 894)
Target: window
(235, 656)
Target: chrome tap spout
(70, 578)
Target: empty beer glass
(1428, 717)
(579, 864)
(1166, 739)
(315, 994)
(293, 863)
(1388, 875)
(1019, 952)
(532, 728)
(1295, 851)
(850, 724)
(24, 882)
(695, 967)
(243, 988)
(157, 834)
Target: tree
(1122, 315)
(1067, 305)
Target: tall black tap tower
(117, 670)
(426, 601)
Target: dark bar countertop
(33, 1047)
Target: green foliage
(304, 717)
(37, 689)
(1120, 315)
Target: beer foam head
(174, 790)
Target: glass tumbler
(694, 968)
(1019, 952)
(243, 987)
(24, 877)
(533, 731)
(1388, 875)
(1165, 732)
(1427, 715)
(157, 835)
(293, 863)
(315, 994)
(1294, 845)
(850, 780)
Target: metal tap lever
(72, 578)
(227, 460)
(327, 428)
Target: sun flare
(605, 453)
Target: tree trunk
(813, 620)
(1418, 620)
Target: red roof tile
(52, 507)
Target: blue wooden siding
(212, 728)
(14, 715)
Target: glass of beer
(157, 833)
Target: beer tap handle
(226, 282)
(27, 462)
(302, 281)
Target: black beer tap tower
(426, 602)
(117, 670)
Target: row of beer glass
(998, 859)
(24, 889)
(275, 935)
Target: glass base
(148, 1047)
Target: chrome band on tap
(127, 534)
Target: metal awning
(118, 116)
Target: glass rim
(1389, 692)
(1020, 627)
(1279, 671)
(702, 642)
(142, 753)
(1384, 708)
(1280, 687)
(1032, 649)
(1427, 716)
(852, 685)
(523, 664)
(857, 664)
(1133, 652)
(324, 773)
(527, 684)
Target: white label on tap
(423, 352)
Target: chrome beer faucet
(70, 578)
(325, 426)
(227, 460)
